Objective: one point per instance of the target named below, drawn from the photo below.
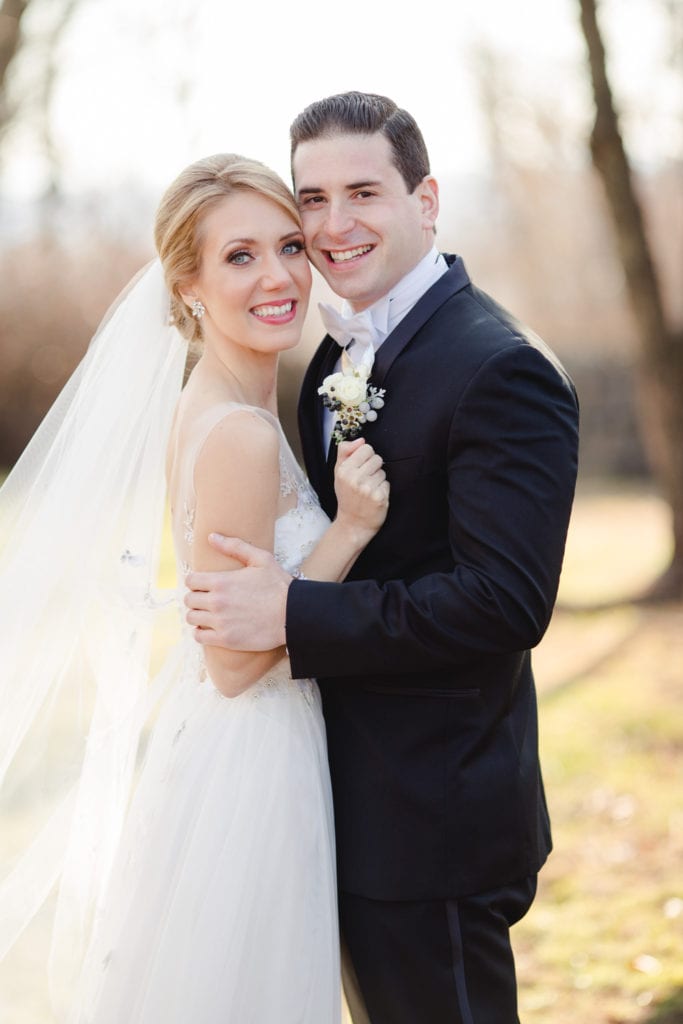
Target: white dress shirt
(388, 311)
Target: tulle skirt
(222, 905)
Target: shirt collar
(388, 311)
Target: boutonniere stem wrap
(352, 398)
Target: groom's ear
(428, 194)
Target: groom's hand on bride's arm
(242, 609)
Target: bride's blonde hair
(185, 204)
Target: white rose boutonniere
(354, 400)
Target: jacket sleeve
(512, 460)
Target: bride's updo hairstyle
(183, 208)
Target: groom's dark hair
(365, 113)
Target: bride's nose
(275, 273)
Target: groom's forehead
(345, 160)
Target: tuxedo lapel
(319, 467)
(448, 284)
(311, 423)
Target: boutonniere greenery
(354, 400)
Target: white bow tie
(358, 329)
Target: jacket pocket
(403, 472)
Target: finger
(198, 600)
(365, 469)
(373, 464)
(206, 637)
(370, 491)
(244, 552)
(377, 491)
(372, 486)
(200, 584)
(198, 618)
(197, 582)
(347, 448)
(358, 458)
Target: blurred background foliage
(574, 221)
(590, 254)
(587, 252)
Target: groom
(423, 654)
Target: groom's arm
(512, 467)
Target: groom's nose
(339, 219)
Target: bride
(209, 895)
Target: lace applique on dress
(299, 529)
(288, 481)
(188, 523)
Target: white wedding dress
(222, 904)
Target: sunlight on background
(144, 89)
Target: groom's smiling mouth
(338, 256)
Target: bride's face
(255, 278)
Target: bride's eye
(292, 248)
(239, 258)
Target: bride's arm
(237, 485)
(363, 500)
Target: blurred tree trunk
(10, 20)
(661, 346)
(35, 102)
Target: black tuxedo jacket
(422, 655)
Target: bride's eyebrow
(295, 233)
(237, 241)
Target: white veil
(80, 529)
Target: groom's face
(364, 231)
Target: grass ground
(604, 940)
(603, 943)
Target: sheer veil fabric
(80, 529)
(196, 882)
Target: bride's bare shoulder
(241, 442)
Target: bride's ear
(187, 290)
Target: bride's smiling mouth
(275, 312)
(347, 256)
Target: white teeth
(349, 254)
(285, 308)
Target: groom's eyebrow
(363, 184)
(351, 187)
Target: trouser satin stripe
(458, 961)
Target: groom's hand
(242, 609)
